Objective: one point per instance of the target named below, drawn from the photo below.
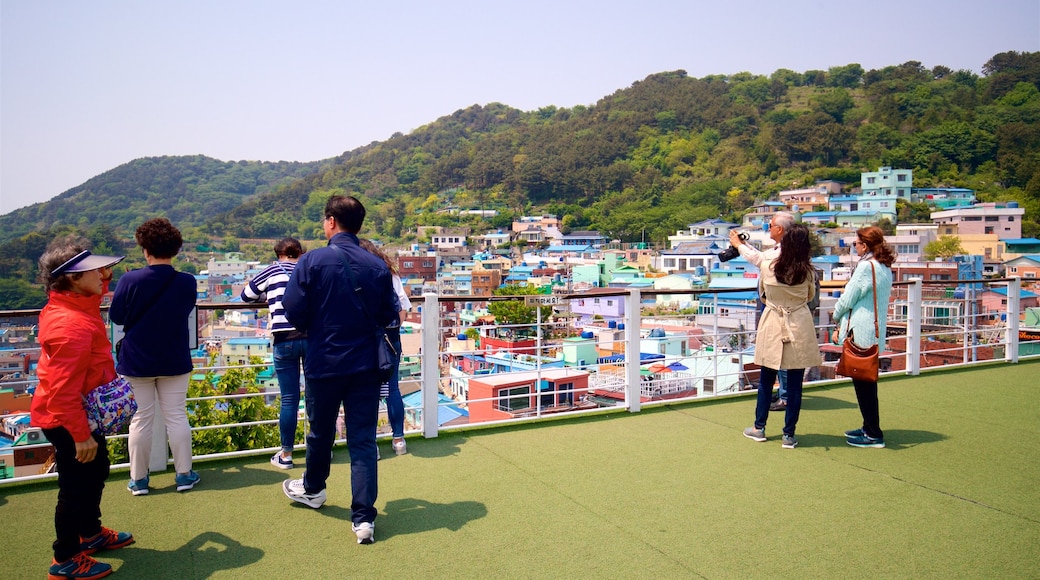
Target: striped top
(272, 280)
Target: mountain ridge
(645, 160)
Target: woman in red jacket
(76, 357)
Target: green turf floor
(670, 492)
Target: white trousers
(170, 394)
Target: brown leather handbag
(857, 362)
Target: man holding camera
(777, 225)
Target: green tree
(945, 247)
(835, 103)
(848, 76)
(515, 311)
(217, 411)
(18, 294)
(913, 213)
(887, 226)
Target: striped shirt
(272, 280)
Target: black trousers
(866, 395)
(78, 513)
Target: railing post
(431, 331)
(913, 327)
(715, 347)
(1014, 292)
(633, 387)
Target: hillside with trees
(638, 164)
(186, 189)
(671, 150)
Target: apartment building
(887, 182)
(1002, 219)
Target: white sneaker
(280, 463)
(400, 447)
(295, 491)
(365, 532)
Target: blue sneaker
(106, 539)
(854, 433)
(79, 566)
(186, 481)
(138, 487)
(866, 441)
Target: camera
(732, 252)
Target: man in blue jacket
(343, 326)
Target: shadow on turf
(815, 402)
(445, 445)
(414, 516)
(895, 439)
(906, 438)
(213, 476)
(201, 557)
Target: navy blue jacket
(156, 343)
(341, 338)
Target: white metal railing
(544, 386)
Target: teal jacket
(857, 304)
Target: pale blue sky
(86, 86)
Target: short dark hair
(288, 247)
(348, 212)
(159, 237)
(59, 251)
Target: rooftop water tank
(587, 334)
(612, 324)
(621, 326)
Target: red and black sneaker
(79, 566)
(106, 539)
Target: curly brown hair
(874, 238)
(159, 237)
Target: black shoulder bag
(387, 355)
(126, 327)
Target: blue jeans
(358, 395)
(765, 394)
(394, 402)
(288, 356)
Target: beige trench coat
(786, 336)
